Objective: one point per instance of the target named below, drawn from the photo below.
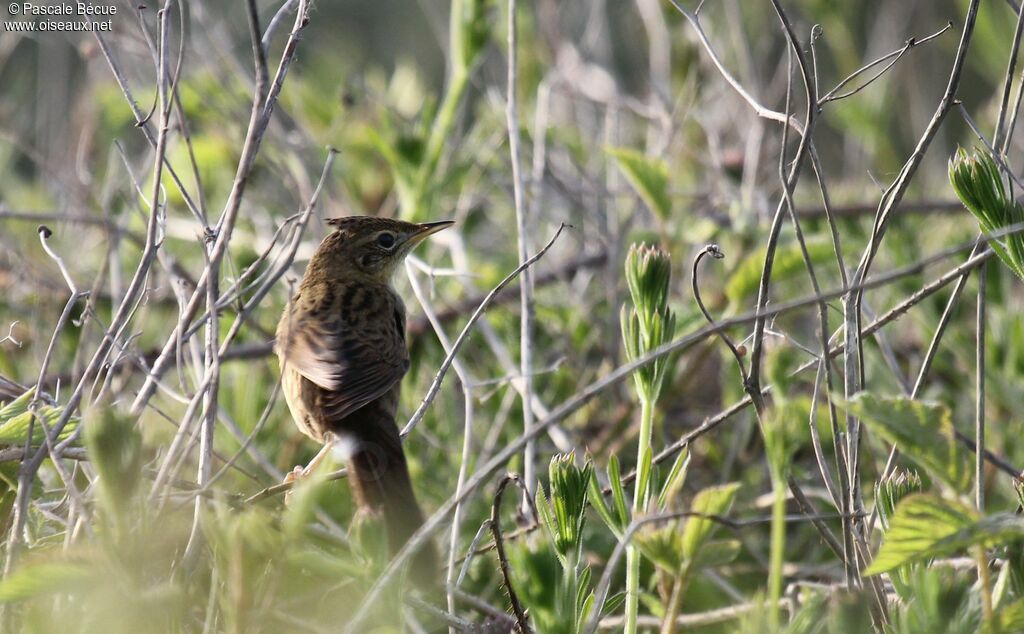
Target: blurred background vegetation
(610, 82)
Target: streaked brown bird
(342, 349)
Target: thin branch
(526, 315)
(894, 56)
(499, 547)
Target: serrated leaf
(926, 526)
(13, 431)
(648, 176)
(716, 500)
(923, 431)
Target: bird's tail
(380, 481)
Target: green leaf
(44, 578)
(716, 500)
(923, 431)
(663, 546)
(717, 553)
(643, 476)
(926, 526)
(115, 448)
(14, 430)
(1011, 617)
(888, 493)
(618, 495)
(648, 176)
(675, 479)
(17, 407)
(789, 264)
(597, 500)
(613, 603)
(547, 520)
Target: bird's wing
(353, 363)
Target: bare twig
(892, 58)
(523, 243)
(499, 547)
(264, 100)
(435, 385)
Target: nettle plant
(921, 524)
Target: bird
(342, 352)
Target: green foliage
(16, 416)
(115, 447)
(563, 514)
(789, 265)
(925, 527)
(45, 579)
(616, 516)
(923, 431)
(648, 176)
(649, 323)
(471, 28)
(712, 501)
(937, 601)
(917, 529)
(424, 137)
(673, 482)
(979, 185)
(888, 493)
(780, 434)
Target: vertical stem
(526, 288)
(979, 453)
(632, 553)
(210, 392)
(467, 432)
(985, 582)
(571, 589)
(979, 411)
(778, 548)
(668, 624)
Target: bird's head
(371, 247)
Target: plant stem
(632, 553)
(570, 590)
(778, 547)
(440, 132)
(668, 625)
(985, 582)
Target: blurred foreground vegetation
(630, 135)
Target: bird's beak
(427, 228)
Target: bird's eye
(386, 240)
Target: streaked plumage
(342, 349)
